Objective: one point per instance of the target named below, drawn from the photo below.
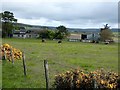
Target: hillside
(69, 29)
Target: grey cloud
(66, 12)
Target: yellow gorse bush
(78, 79)
(8, 49)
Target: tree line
(61, 32)
(8, 20)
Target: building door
(83, 36)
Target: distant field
(61, 57)
(116, 37)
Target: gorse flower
(78, 79)
(10, 51)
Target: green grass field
(0, 68)
(61, 57)
(0, 75)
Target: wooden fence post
(72, 87)
(4, 57)
(95, 83)
(24, 65)
(11, 55)
(46, 74)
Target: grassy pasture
(61, 57)
(0, 75)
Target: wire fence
(56, 68)
(47, 70)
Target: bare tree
(106, 33)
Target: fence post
(95, 84)
(46, 74)
(24, 65)
(4, 57)
(72, 87)
(11, 54)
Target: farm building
(19, 33)
(74, 37)
(90, 36)
(32, 34)
(25, 33)
(84, 37)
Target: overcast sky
(70, 13)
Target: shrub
(8, 49)
(78, 79)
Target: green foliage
(7, 20)
(106, 35)
(46, 34)
(62, 29)
(50, 34)
(6, 29)
(61, 33)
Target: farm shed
(90, 36)
(74, 37)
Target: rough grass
(0, 74)
(61, 57)
(0, 69)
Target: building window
(29, 35)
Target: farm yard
(61, 58)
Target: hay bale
(97, 41)
(43, 40)
(106, 43)
(59, 41)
